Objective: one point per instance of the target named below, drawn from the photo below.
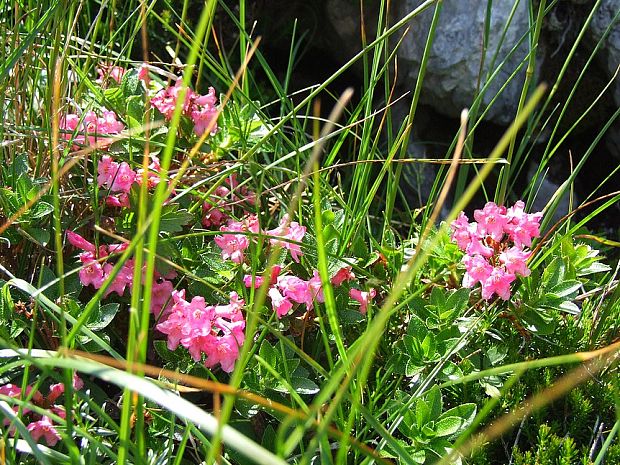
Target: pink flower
(342, 275)
(204, 113)
(106, 169)
(279, 303)
(91, 128)
(315, 288)
(152, 174)
(478, 247)
(215, 331)
(491, 220)
(123, 278)
(10, 390)
(123, 179)
(295, 289)
(515, 260)
(44, 429)
(233, 245)
(499, 283)
(161, 297)
(92, 271)
(166, 99)
(113, 72)
(364, 298)
(258, 281)
(478, 270)
(224, 351)
(173, 326)
(79, 242)
(215, 208)
(462, 231)
(291, 231)
(56, 390)
(120, 200)
(522, 227)
(143, 73)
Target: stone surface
(454, 64)
(610, 53)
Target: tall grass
(327, 386)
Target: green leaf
(433, 397)
(538, 321)
(553, 274)
(448, 426)
(135, 111)
(413, 368)
(466, 412)
(131, 85)
(595, 267)
(304, 386)
(567, 289)
(103, 316)
(37, 235)
(175, 356)
(114, 96)
(422, 413)
(429, 346)
(40, 210)
(173, 219)
(569, 307)
(46, 277)
(269, 354)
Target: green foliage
(427, 428)
(17, 191)
(430, 363)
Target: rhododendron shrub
(496, 246)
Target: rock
(454, 64)
(610, 53)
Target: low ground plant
(199, 267)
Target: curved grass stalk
(149, 390)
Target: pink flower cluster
(119, 177)
(217, 331)
(96, 269)
(91, 129)
(495, 246)
(201, 109)
(217, 208)
(287, 290)
(40, 426)
(233, 245)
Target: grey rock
(610, 53)
(454, 64)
